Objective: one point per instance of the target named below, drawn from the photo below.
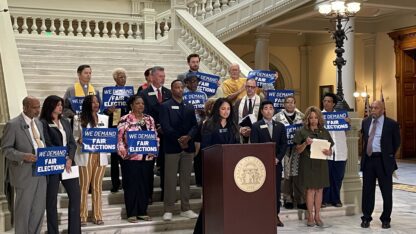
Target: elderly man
(22, 137)
(233, 88)
(381, 140)
(81, 88)
(249, 104)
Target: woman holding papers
(312, 171)
(91, 165)
(58, 132)
(135, 167)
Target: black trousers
(136, 181)
(278, 186)
(74, 194)
(160, 162)
(336, 176)
(373, 169)
(115, 170)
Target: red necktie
(159, 95)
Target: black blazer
(53, 136)
(151, 105)
(212, 134)
(176, 120)
(261, 135)
(390, 142)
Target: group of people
(182, 132)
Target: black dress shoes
(288, 205)
(279, 223)
(365, 224)
(385, 225)
(302, 206)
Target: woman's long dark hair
(49, 106)
(215, 119)
(86, 113)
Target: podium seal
(249, 174)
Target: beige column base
(5, 215)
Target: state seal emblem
(249, 174)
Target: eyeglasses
(250, 87)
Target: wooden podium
(229, 209)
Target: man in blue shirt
(179, 126)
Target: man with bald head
(381, 139)
(22, 137)
(234, 87)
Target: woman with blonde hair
(313, 172)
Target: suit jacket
(260, 134)
(53, 137)
(390, 142)
(213, 134)
(15, 143)
(151, 105)
(178, 119)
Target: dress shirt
(377, 136)
(29, 127)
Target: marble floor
(403, 216)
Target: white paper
(316, 148)
(74, 173)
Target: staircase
(49, 63)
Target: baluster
(199, 10)
(224, 4)
(87, 29)
(97, 29)
(43, 27)
(15, 25)
(183, 33)
(195, 9)
(208, 60)
(79, 29)
(121, 32)
(201, 50)
(130, 32)
(218, 67)
(24, 27)
(138, 32)
(158, 31)
(197, 47)
(223, 71)
(34, 28)
(53, 28)
(70, 27)
(232, 3)
(203, 9)
(166, 28)
(113, 30)
(217, 8)
(105, 30)
(61, 27)
(208, 9)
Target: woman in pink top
(136, 168)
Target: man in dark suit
(153, 97)
(381, 139)
(268, 130)
(179, 128)
(22, 136)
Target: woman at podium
(313, 172)
(218, 129)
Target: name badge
(263, 126)
(100, 124)
(152, 93)
(175, 107)
(52, 125)
(223, 130)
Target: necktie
(36, 135)
(270, 128)
(250, 106)
(371, 138)
(159, 95)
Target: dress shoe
(279, 223)
(288, 205)
(319, 223)
(324, 204)
(310, 224)
(338, 204)
(365, 224)
(385, 225)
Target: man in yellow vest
(79, 89)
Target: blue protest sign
(262, 77)
(76, 104)
(99, 140)
(197, 99)
(335, 121)
(142, 142)
(290, 132)
(51, 160)
(278, 97)
(208, 83)
(117, 96)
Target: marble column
(261, 55)
(352, 186)
(175, 30)
(348, 71)
(149, 15)
(370, 64)
(303, 103)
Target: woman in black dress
(218, 129)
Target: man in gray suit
(22, 136)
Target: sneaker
(189, 214)
(167, 216)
